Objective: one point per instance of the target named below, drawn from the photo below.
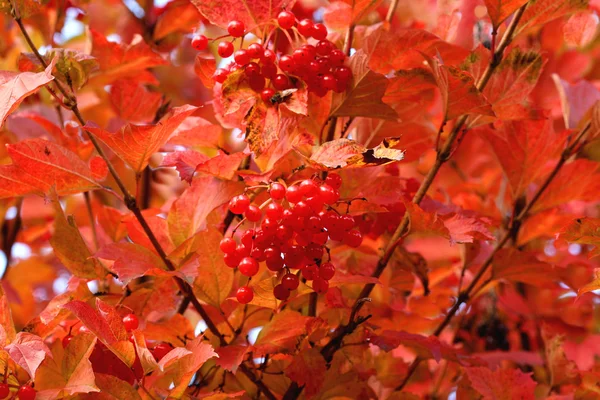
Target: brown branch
(515, 224)
(391, 11)
(10, 230)
(88, 205)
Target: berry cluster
(25, 392)
(296, 223)
(317, 61)
(104, 361)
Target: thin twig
(10, 230)
(88, 205)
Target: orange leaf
(580, 29)
(364, 98)
(499, 10)
(426, 347)
(593, 285)
(502, 384)
(7, 327)
(250, 12)
(135, 144)
(542, 11)
(28, 350)
(576, 99)
(281, 333)
(205, 67)
(130, 260)
(179, 16)
(15, 87)
(520, 266)
(133, 102)
(342, 153)
(308, 369)
(230, 357)
(584, 231)
(184, 162)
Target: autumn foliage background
(468, 143)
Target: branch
(9, 236)
(465, 295)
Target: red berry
(301, 57)
(131, 322)
(315, 202)
(293, 194)
(4, 390)
(227, 245)
(275, 264)
(269, 71)
(220, 75)
(248, 238)
(308, 188)
(281, 293)
(320, 238)
(242, 57)
(286, 20)
(266, 95)
(268, 57)
(161, 350)
(287, 63)
(337, 57)
(324, 47)
(236, 28)
(334, 180)
(244, 295)
(281, 82)
(255, 50)
(342, 74)
(199, 42)
(257, 82)
(319, 32)
(328, 82)
(242, 251)
(301, 209)
(313, 68)
(65, 342)
(26, 393)
(313, 251)
(277, 191)
(290, 281)
(239, 204)
(353, 238)
(305, 27)
(320, 285)
(327, 271)
(275, 211)
(309, 272)
(269, 226)
(252, 69)
(314, 224)
(231, 259)
(328, 194)
(346, 222)
(225, 49)
(248, 266)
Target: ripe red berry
(308, 188)
(286, 20)
(248, 266)
(346, 222)
(26, 393)
(242, 57)
(293, 194)
(301, 57)
(328, 82)
(257, 82)
(281, 293)
(253, 213)
(4, 390)
(227, 245)
(268, 57)
(275, 264)
(220, 75)
(287, 63)
(199, 42)
(353, 238)
(269, 71)
(305, 27)
(225, 49)
(319, 32)
(236, 28)
(277, 191)
(324, 47)
(320, 285)
(342, 74)
(231, 259)
(327, 271)
(337, 57)
(266, 95)
(242, 251)
(244, 295)
(131, 322)
(255, 50)
(334, 180)
(239, 204)
(301, 209)
(65, 342)
(161, 350)
(309, 272)
(290, 281)
(252, 69)
(281, 82)
(275, 211)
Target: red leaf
(518, 266)
(576, 100)
(580, 29)
(426, 347)
(15, 87)
(499, 10)
(196, 131)
(39, 165)
(364, 98)
(205, 67)
(542, 11)
(281, 333)
(308, 369)
(502, 384)
(133, 102)
(188, 365)
(135, 144)
(185, 162)
(464, 229)
(250, 12)
(119, 61)
(230, 357)
(459, 94)
(7, 327)
(130, 260)
(562, 370)
(179, 16)
(584, 231)
(146, 358)
(188, 213)
(349, 153)
(222, 165)
(28, 350)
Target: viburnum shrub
(293, 199)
